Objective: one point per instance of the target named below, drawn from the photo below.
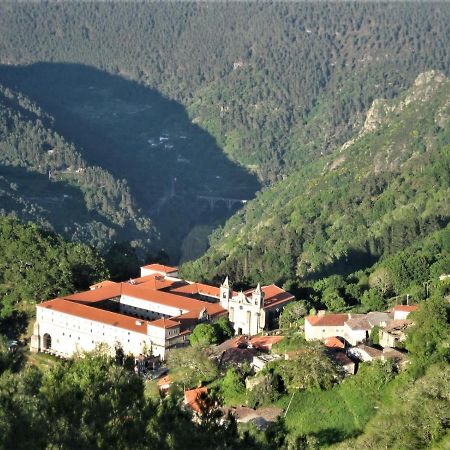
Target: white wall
(71, 334)
(354, 337)
(322, 332)
(146, 305)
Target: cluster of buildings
(150, 314)
(352, 332)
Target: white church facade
(150, 314)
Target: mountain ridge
(370, 198)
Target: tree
(428, 339)
(190, 366)
(309, 368)
(332, 300)
(232, 388)
(92, 403)
(293, 313)
(372, 300)
(204, 334)
(23, 419)
(422, 415)
(223, 328)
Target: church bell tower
(225, 294)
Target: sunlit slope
(373, 196)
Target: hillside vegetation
(384, 192)
(275, 83)
(44, 178)
(117, 161)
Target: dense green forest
(74, 156)
(153, 98)
(96, 401)
(275, 83)
(36, 265)
(379, 198)
(45, 179)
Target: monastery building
(153, 313)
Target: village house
(365, 353)
(356, 330)
(399, 359)
(195, 401)
(353, 328)
(323, 325)
(348, 366)
(402, 312)
(148, 315)
(393, 335)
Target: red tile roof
(334, 342)
(164, 323)
(96, 295)
(164, 382)
(327, 320)
(275, 296)
(102, 284)
(160, 268)
(196, 289)
(405, 308)
(176, 301)
(95, 314)
(265, 342)
(193, 398)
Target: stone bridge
(229, 202)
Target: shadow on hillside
(139, 135)
(331, 436)
(354, 261)
(40, 200)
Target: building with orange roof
(160, 269)
(194, 399)
(335, 343)
(255, 310)
(401, 312)
(265, 342)
(322, 326)
(153, 313)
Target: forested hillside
(36, 265)
(275, 83)
(117, 161)
(382, 193)
(44, 178)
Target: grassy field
(339, 413)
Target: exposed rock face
(426, 77)
(424, 86)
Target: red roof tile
(97, 295)
(176, 301)
(196, 289)
(164, 381)
(164, 323)
(405, 308)
(327, 320)
(334, 342)
(274, 296)
(95, 314)
(160, 268)
(265, 342)
(193, 398)
(102, 284)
